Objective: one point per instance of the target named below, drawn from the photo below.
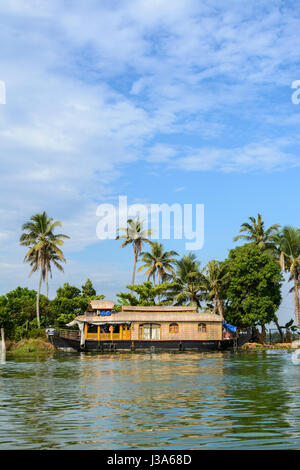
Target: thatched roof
(153, 316)
(101, 305)
(164, 308)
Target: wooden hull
(142, 345)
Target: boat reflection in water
(162, 394)
(162, 400)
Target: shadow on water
(150, 400)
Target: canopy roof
(101, 305)
(157, 308)
(158, 316)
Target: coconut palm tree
(187, 286)
(255, 232)
(158, 262)
(288, 249)
(214, 280)
(50, 257)
(44, 248)
(134, 235)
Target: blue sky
(163, 101)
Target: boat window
(173, 328)
(202, 328)
(149, 331)
(141, 328)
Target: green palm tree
(158, 262)
(187, 286)
(52, 257)
(134, 235)
(288, 248)
(256, 232)
(44, 249)
(214, 280)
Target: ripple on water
(158, 401)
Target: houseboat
(144, 328)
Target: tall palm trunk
(215, 304)
(134, 265)
(38, 301)
(220, 306)
(297, 300)
(46, 282)
(158, 282)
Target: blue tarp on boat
(229, 327)
(104, 313)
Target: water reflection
(2, 357)
(258, 395)
(159, 401)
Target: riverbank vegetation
(30, 345)
(18, 309)
(245, 288)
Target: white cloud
(161, 153)
(260, 156)
(93, 87)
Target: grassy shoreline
(266, 346)
(29, 345)
(42, 345)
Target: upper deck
(149, 323)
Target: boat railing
(70, 334)
(125, 335)
(75, 334)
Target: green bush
(18, 310)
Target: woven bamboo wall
(187, 331)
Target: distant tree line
(244, 289)
(18, 309)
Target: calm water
(248, 400)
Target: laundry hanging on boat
(228, 327)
